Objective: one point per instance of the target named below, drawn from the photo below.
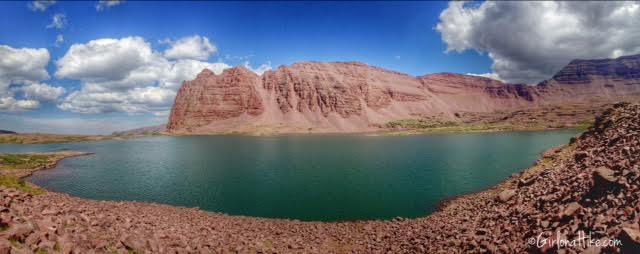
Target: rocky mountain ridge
(355, 97)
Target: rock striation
(625, 68)
(355, 97)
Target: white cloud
(105, 59)
(261, 69)
(40, 5)
(21, 70)
(11, 104)
(42, 92)
(193, 47)
(530, 41)
(491, 75)
(59, 40)
(125, 75)
(137, 100)
(19, 65)
(58, 21)
(107, 4)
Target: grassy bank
(24, 161)
(13, 167)
(37, 138)
(420, 126)
(16, 182)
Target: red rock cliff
(352, 97)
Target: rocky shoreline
(589, 187)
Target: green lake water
(317, 177)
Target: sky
(95, 67)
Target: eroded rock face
(334, 96)
(355, 97)
(212, 97)
(315, 88)
(480, 87)
(585, 71)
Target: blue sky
(283, 32)
(412, 37)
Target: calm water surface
(342, 177)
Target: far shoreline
(381, 133)
(40, 138)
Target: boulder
(630, 238)
(571, 209)
(604, 174)
(581, 155)
(20, 231)
(528, 181)
(505, 195)
(605, 182)
(632, 234)
(134, 243)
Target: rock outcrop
(600, 79)
(584, 192)
(626, 68)
(355, 97)
(211, 97)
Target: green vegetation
(584, 125)
(24, 161)
(47, 138)
(13, 181)
(545, 163)
(15, 243)
(15, 166)
(418, 124)
(421, 126)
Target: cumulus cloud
(136, 100)
(58, 21)
(40, 5)
(19, 65)
(11, 104)
(125, 75)
(59, 40)
(105, 59)
(107, 4)
(194, 47)
(42, 92)
(21, 70)
(530, 41)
